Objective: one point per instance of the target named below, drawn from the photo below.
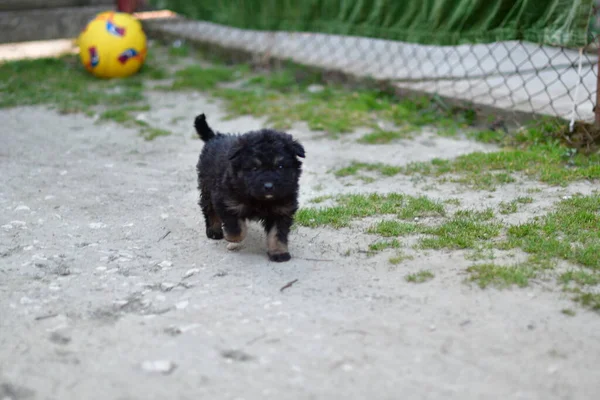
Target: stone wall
(26, 20)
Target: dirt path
(109, 289)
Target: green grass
(420, 277)
(320, 199)
(399, 257)
(569, 312)
(512, 207)
(385, 244)
(199, 78)
(570, 232)
(355, 167)
(150, 133)
(123, 115)
(383, 137)
(583, 278)
(350, 207)
(588, 300)
(465, 230)
(64, 84)
(395, 228)
(500, 276)
(534, 153)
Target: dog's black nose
(268, 185)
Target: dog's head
(265, 163)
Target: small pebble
(97, 225)
(167, 286)
(190, 272)
(182, 304)
(22, 208)
(165, 264)
(164, 367)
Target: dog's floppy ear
(298, 149)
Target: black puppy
(253, 176)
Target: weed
(579, 277)
(153, 133)
(420, 277)
(199, 78)
(399, 257)
(587, 300)
(568, 311)
(383, 245)
(513, 206)
(383, 137)
(320, 199)
(394, 228)
(500, 276)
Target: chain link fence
(515, 76)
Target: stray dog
(253, 176)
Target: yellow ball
(112, 45)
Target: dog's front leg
(277, 238)
(234, 228)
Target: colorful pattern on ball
(111, 27)
(94, 58)
(129, 54)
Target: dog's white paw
(234, 246)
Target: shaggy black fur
(253, 176)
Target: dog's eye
(280, 166)
(255, 168)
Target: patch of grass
(320, 199)
(420, 277)
(571, 232)
(199, 78)
(568, 311)
(500, 276)
(383, 245)
(285, 96)
(64, 84)
(582, 278)
(453, 202)
(150, 133)
(486, 170)
(588, 300)
(356, 167)
(508, 208)
(383, 137)
(354, 206)
(122, 115)
(465, 230)
(399, 257)
(394, 228)
(513, 206)
(179, 50)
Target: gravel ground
(110, 290)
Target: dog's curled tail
(203, 129)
